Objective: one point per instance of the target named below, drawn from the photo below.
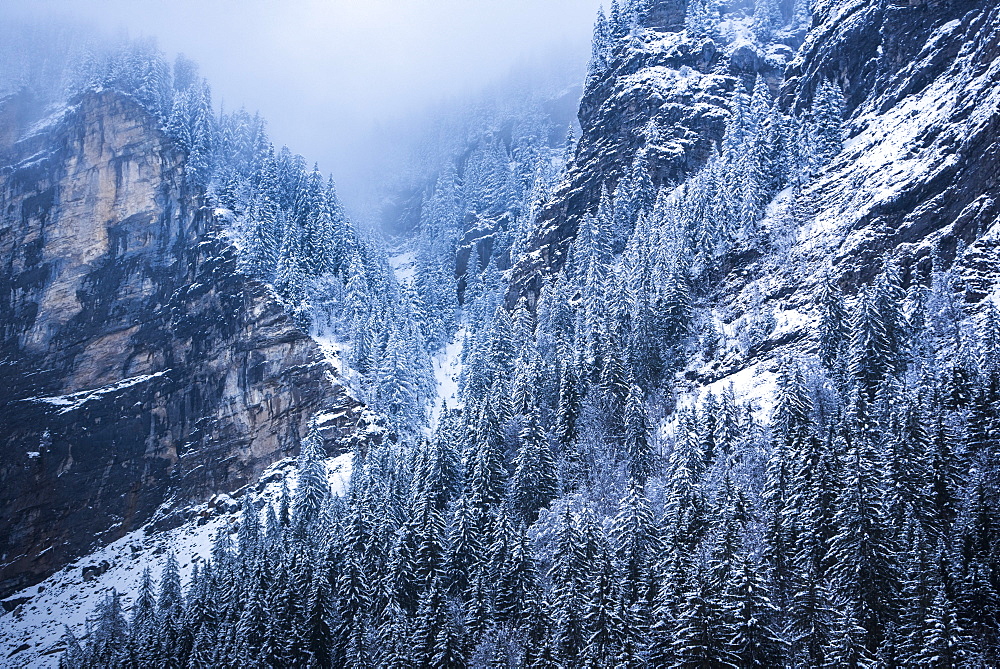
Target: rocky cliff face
(667, 15)
(644, 83)
(141, 370)
(663, 101)
(925, 138)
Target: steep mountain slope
(920, 170)
(33, 623)
(746, 418)
(917, 177)
(142, 370)
(666, 81)
(656, 103)
(917, 182)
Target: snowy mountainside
(447, 359)
(915, 184)
(654, 109)
(404, 266)
(119, 290)
(447, 372)
(721, 376)
(916, 178)
(33, 621)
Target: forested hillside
(729, 363)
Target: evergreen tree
(748, 611)
(142, 629)
(700, 634)
(943, 640)
(601, 618)
(312, 489)
(638, 447)
(861, 552)
(834, 323)
(534, 483)
(352, 604)
(767, 18)
(635, 544)
(107, 643)
(828, 110)
(871, 354)
(73, 657)
(601, 45)
(517, 582)
(566, 602)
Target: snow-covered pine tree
(534, 484)
(601, 45)
(312, 489)
(828, 111)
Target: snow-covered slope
(31, 633)
(139, 363)
(447, 371)
(404, 265)
(917, 183)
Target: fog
(331, 76)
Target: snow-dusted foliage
(550, 522)
(564, 494)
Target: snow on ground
(755, 386)
(447, 371)
(338, 470)
(892, 150)
(335, 352)
(31, 634)
(404, 265)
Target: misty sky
(325, 72)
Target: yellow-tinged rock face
(140, 365)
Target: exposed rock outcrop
(141, 370)
(919, 176)
(667, 15)
(662, 78)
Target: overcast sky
(324, 71)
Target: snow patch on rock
(73, 401)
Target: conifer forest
(687, 358)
